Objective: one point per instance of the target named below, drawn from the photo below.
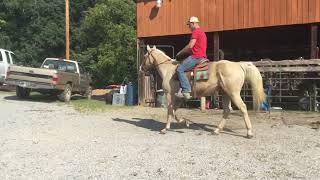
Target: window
(54, 64)
(14, 58)
(71, 67)
(60, 65)
(8, 56)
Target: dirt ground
(40, 140)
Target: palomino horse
(226, 75)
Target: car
(6, 59)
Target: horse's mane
(165, 54)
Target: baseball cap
(193, 19)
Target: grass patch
(7, 92)
(94, 105)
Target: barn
(238, 30)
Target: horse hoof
(215, 133)
(249, 136)
(163, 131)
(187, 124)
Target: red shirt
(199, 50)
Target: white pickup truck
(6, 58)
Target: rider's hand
(178, 55)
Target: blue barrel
(132, 94)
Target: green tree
(102, 34)
(35, 29)
(107, 41)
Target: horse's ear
(148, 48)
(154, 47)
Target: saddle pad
(202, 75)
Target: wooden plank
(256, 13)
(312, 10)
(300, 11)
(305, 13)
(146, 22)
(272, 12)
(220, 14)
(246, 15)
(154, 19)
(262, 13)
(212, 9)
(317, 18)
(235, 14)
(277, 12)
(251, 14)
(228, 14)
(289, 69)
(267, 16)
(186, 15)
(179, 16)
(139, 20)
(283, 12)
(216, 15)
(289, 11)
(241, 14)
(204, 15)
(294, 11)
(288, 63)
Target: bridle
(157, 64)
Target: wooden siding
(220, 15)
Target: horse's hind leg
(176, 105)
(243, 108)
(226, 111)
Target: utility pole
(67, 31)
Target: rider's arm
(188, 47)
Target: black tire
(88, 93)
(22, 93)
(65, 96)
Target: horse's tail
(253, 75)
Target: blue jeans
(187, 64)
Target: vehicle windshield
(60, 65)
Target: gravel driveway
(52, 141)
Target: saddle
(203, 65)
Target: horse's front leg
(170, 114)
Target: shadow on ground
(41, 98)
(154, 125)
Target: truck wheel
(88, 93)
(65, 96)
(22, 92)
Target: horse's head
(153, 57)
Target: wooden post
(141, 75)
(216, 57)
(216, 47)
(203, 103)
(67, 31)
(314, 41)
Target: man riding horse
(197, 47)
